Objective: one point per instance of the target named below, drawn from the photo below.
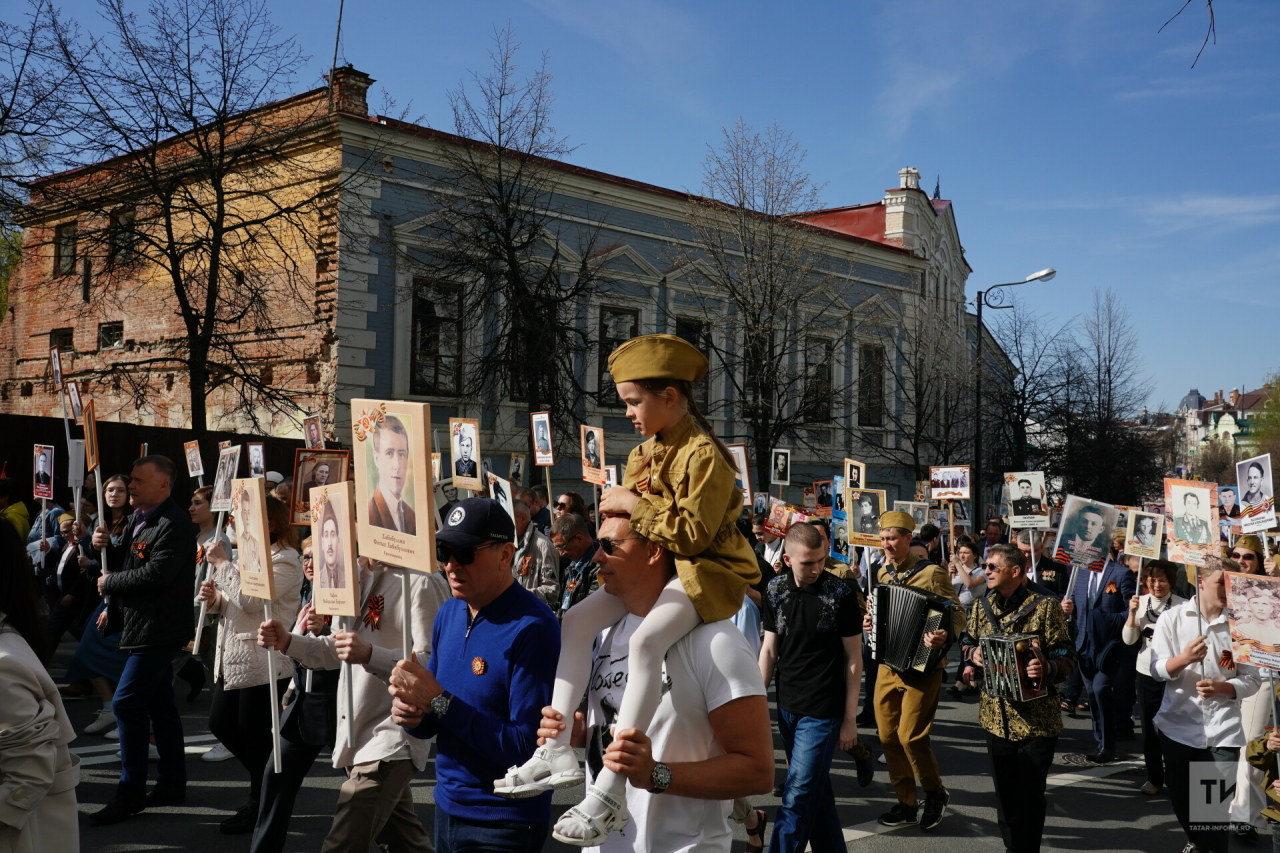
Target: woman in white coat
(240, 711)
(38, 774)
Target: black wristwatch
(660, 778)
(440, 705)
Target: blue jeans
(808, 812)
(458, 835)
(144, 704)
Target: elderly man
(710, 737)
(151, 607)
(494, 649)
(572, 539)
(906, 702)
(1021, 736)
(536, 565)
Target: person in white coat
(38, 774)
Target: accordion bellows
(901, 616)
(1004, 667)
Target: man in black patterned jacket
(150, 607)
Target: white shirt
(1149, 611)
(1183, 715)
(709, 667)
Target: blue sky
(1069, 133)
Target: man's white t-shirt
(709, 667)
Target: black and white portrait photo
(228, 462)
(1142, 534)
(1257, 496)
(257, 459)
(516, 469)
(313, 469)
(592, 440)
(73, 393)
(464, 460)
(543, 448)
(823, 494)
(840, 541)
(855, 474)
(311, 433)
(42, 465)
(1025, 495)
(780, 469)
(195, 465)
(949, 482)
(1085, 535)
(1191, 521)
(760, 505)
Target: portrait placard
(781, 516)
(253, 541)
(446, 495)
(77, 407)
(760, 505)
(312, 435)
(918, 510)
(610, 476)
(464, 444)
(948, 482)
(435, 467)
(1257, 494)
(855, 474)
(42, 471)
(228, 463)
(515, 468)
(1142, 534)
(223, 445)
(1085, 535)
(1025, 495)
(823, 498)
(839, 520)
(592, 439)
(742, 472)
(922, 491)
(313, 469)
(500, 491)
(544, 450)
(1190, 508)
(91, 457)
(780, 468)
(332, 519)
(257, 459)
(55, 365)
(195, 465)
(864, 507)
(392, 456)
(809, 498)
(1253, 602)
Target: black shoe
(954, 692)
(900, 815)
(935, 806)
(117, 810)
(242, 822)
(1247, 834)
(192, 672)
(158, 796)
(1102, 756)
(865, 721)
(866, 770)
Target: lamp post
(992, 297)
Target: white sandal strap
(608, 799)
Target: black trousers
(280, 790)
(241, 721)
(1099, 685)
(1019, 770)
(1150, 695)
(1177, 763)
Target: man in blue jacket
(494, 649)
(1098, 607)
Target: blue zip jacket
(500, 669)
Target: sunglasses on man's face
(461, 556)
(607, 544)
(1243, 555)
(561, 505)
(993, 567)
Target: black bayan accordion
(901, 616)
(1004, 667)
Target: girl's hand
(215, 553)
(618, 501)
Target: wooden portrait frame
(459, 429)
(309, 441)
(590, 474)
(850, 481)
(542, 458)
(376, 529)
(336, 501)
(305, 461)
(92, 454)
(253, 539)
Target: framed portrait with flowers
(391, 451)
(333, 548)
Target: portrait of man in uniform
(1191, 525)
(388, 507)
(43, 477)
(463, 464)
(1026, 503)
(1227, 505)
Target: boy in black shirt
(813, 638)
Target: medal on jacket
(1226, 661)
(140, 550)
(373, 611)
(479, 666)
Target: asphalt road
(1090, 808)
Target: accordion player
(901, 616)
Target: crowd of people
(645, 632)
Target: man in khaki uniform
(905, 704)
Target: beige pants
(904, 716)
(375, 805)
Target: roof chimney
(347, 91)
(909, 178)
(1235, 396)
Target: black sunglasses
(993, 567)
(1246, 555)
(607, 544)
(462, 556)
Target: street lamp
(992, 297)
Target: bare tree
(1020, 408)
(195, 195)
(502, 249)
(776, 344)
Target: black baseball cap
(475, 521)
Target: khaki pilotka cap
(897, 518)
(657, 357)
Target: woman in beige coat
(240, 711)
(38, 774)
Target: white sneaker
(218, 753)
(114, 734)
(104, 721)
(551, 767)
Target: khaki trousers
(904, 716)
(376, 805)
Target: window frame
(102, 345)
(606, 393)
(867, 395)
(418, 285)
(66, 238)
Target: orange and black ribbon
(373, 611)
(1226, 661)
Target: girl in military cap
(680, 493)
